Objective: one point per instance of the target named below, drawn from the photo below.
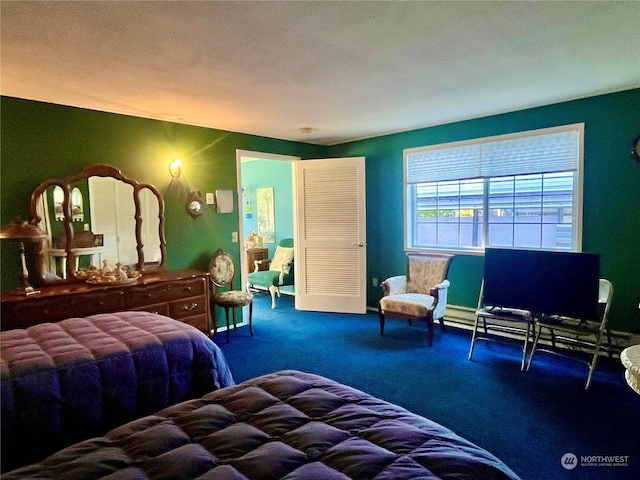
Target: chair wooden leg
(251, 318)
(228, 327)
(430, 333)
(214, 319)
(381, 316)
(442, 327)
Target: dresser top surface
(84, 287)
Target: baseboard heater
(464, 317)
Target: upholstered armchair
(279, 273)
(420, 294)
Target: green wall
(42, 141)
(611, 221)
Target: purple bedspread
(67, 381)
(287, 425)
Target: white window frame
(409, 200)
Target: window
(519, 191)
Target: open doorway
(265, 176)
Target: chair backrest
(222, 270)
(605, 294)
(286, 242)
(424, 270)
(282, 256)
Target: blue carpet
(527, 419)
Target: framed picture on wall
(266, 216)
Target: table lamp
(22, 231)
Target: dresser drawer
(159, 308)
(41, 310)
(201, 322)
(188, 307)
(143, 295)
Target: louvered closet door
(331, 253)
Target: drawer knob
(188, 308)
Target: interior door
(331, 253)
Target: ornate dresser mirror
(97, 216)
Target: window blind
(557, 151)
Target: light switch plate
(209, 198)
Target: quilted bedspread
(67, 381)
(289, 425)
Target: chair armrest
(287, 269)
(435, 290)
(257, 263)
(440, 291)
(394, 285)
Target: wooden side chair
(420, 294)
(222, 275)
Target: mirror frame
(94, 170)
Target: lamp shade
(21, 230)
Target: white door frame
(240, 154)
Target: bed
(286, 425)
(67, 381)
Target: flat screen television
(543, 282)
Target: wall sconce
(175, 169)
(22, 231)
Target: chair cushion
(282, 256)
(415, 304)
(267, 278)
(233, 298)
(264, 278)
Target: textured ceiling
(344, 70)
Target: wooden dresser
(254, 254)
(180, 294)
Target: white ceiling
(346, 70)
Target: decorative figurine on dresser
(129, 271)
